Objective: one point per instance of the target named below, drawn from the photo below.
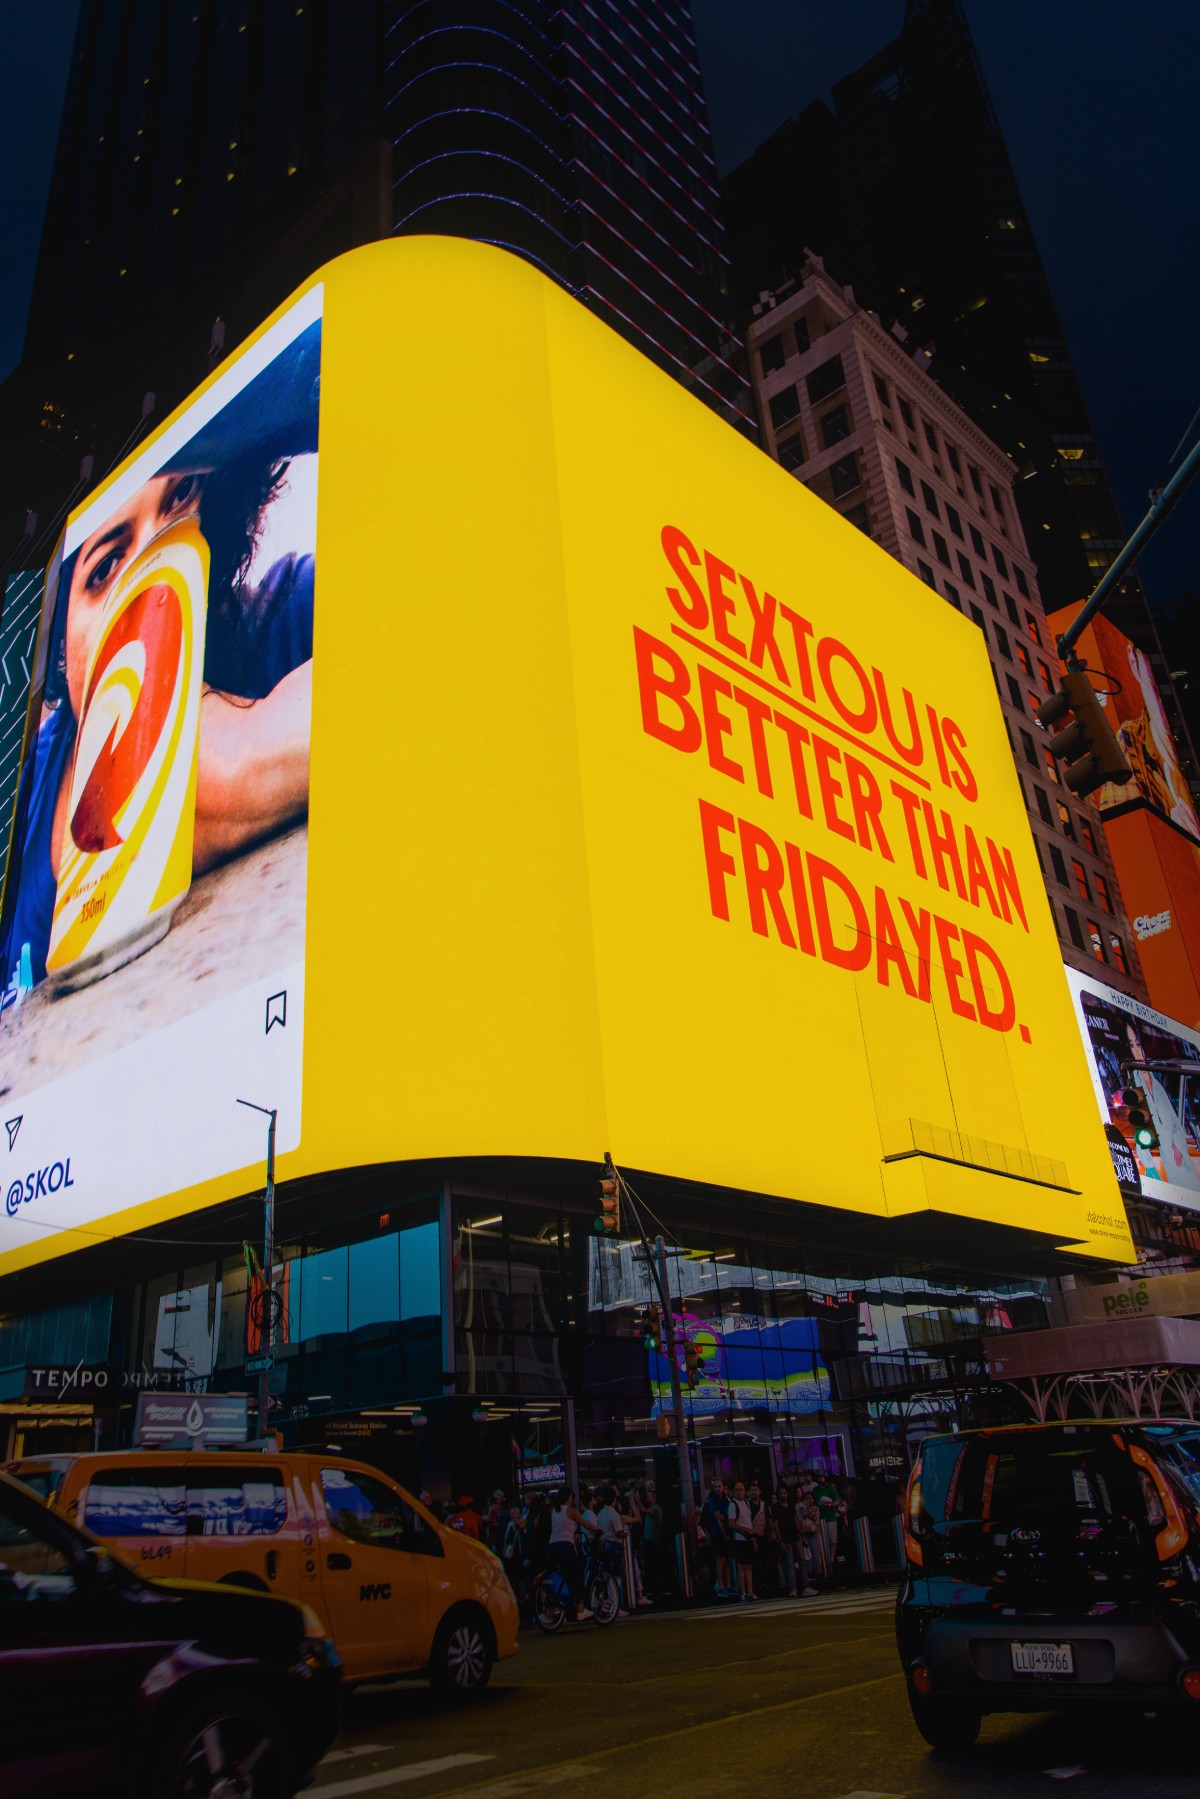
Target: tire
(550, 1604)
(604, 1597)
(948, 1724)
(226, 1750)
(464, 1651)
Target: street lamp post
(268, 1265)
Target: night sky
(1096, 101)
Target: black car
(1050, 1565)
(112, 1683)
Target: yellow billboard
(567, 777)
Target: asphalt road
(786, 1697)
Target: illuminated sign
(1132, 1048)
(650, 805)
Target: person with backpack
(741, 1529)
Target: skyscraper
(906, 189)
(211, 156)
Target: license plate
(1042, 1658)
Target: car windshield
(43, 1480)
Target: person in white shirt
(565, 1521)
(741, 1529)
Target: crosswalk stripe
(389, 1777)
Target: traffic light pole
(1170, 496)
(686, 1492)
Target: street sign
(211, 1418)
(259, 1364)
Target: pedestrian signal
(691, 1363)
(608, 1224)
(1087, 744)
(1138, 1115)
(654, 1333)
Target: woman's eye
(184, 491)
(104, 570)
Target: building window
(997, 502)
(1051, 765)
(881, 388)
(826, 380)
(771, 354)
(1001, 564)
(915, 527)
(1045, 677)
(1064, 819)
(803, 339)
(859, 517)
(1031, 755)
(1022, 583)
(1081, 880)
(989, 589)
(1118, 952)
(1010, 606)
(1002, 640)
(1031, 625)
(1096, 940)
(941, 549)
(1014, 693)
(835, 426)
(790, 451)
(977, 543)
(905, 474)
(1088, 837)
(906, 413)
(1074, 927)
(976, 483)
(1102, 893)
(953, 520)
(965, 570)
(1058, 864)
(952, 594)
(952, 453)
(929, 500)
(844, 476)
(926, 574)
(930, 436)
(1026, 660)
(1035, 699)
(784, 406)
(977, 615)
(1043, 803)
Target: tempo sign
(675, 815)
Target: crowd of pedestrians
(753, 1543)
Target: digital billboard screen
(153, 934)
(1131, 1046)
(616, 792)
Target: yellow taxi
(398, 1592)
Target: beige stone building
(854, 416)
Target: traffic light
(654, 1333)
(1088, 743)
(1141, 1123)
(608, 1224)
(691, 1363)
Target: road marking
(863, 1793)
(688, 1730)
(345, 1755)
(538, 1780)
(829, 1605)
(389, 1777)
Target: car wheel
(949, 1724)
(463, 1653)
(224, 1753)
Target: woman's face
(104, 554)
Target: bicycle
(552, 1603)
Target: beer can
(126, 859)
